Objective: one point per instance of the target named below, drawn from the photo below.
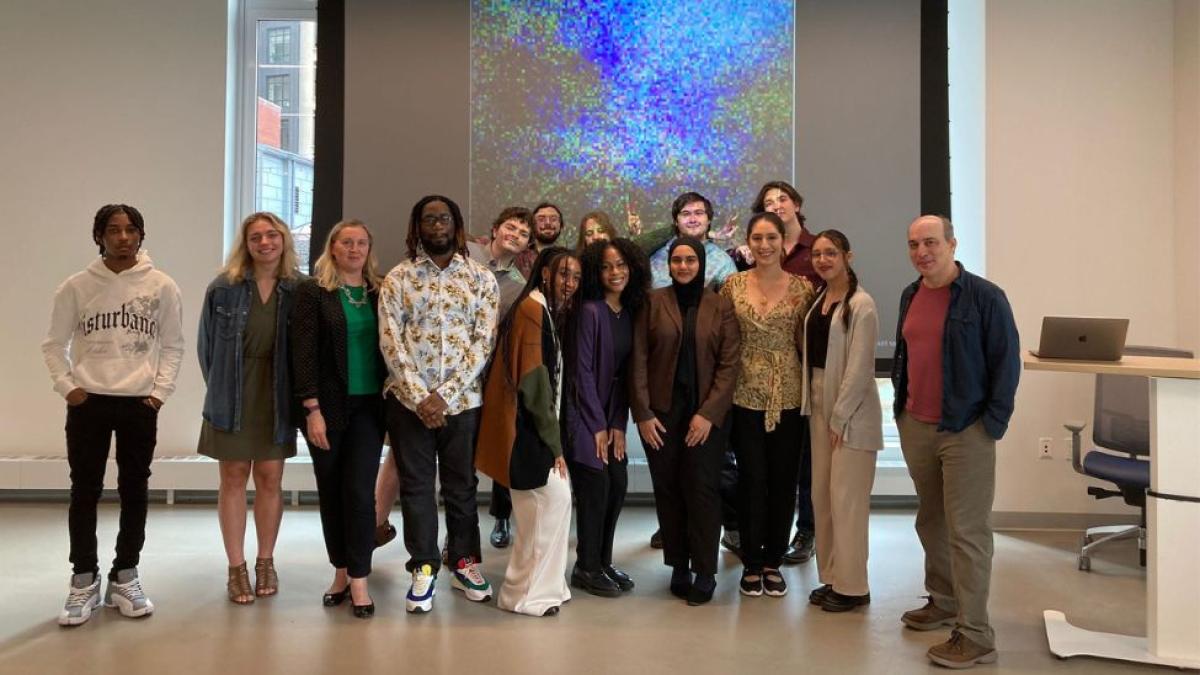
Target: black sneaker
(773, 583)
(800, 550)
(751, 583)
(818, 594)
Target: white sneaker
(420, 595)
(82, 599)
(468, 579)
(126, 594)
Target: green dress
(255, 440)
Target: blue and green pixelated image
(623, 104)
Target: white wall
(1081, 198)
(1187, 168)
(105, 101)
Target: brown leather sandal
(266, 582)
(238, 586)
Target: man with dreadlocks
(437, 319)
(113, 349)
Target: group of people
(749, 376)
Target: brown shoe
(238, 585)
(929, 617)
(384, 533)
(266, 581)
(960, 652)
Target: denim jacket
(222, 328)
(981, 356)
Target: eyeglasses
(697, 213)
(548, 220)
(443, 218)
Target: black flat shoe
(621, 579)
(702, 590)
(335, 599)
(681, 582)
(836, 602)
(363, 611)
(818, 594)
(501, 535)
(551, 611)
(596, 583)
(656, 539)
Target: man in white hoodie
(113, 349)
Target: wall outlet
(1045, 447)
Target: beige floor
(196, 630)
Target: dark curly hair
(592, 260)
(100, 222)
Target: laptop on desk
(1082, 338)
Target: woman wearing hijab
(683, 369)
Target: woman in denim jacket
(248, 422)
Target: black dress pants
(687, 494)
(729, 485)
(346, 485)
(501, 507)
(90, 428)
(805, 521)
(767, 470)
(599, 496)
(423, 456)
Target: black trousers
(767, 471)
(346, 485)
(804, 508)
(422, 457)
(599, 496)
(729, 486)
(687, 494)
(501, 507)
(90, 428)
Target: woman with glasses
(846, 422)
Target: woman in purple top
(616, 276)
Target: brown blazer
(656, 336)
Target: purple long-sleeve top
(601, 399)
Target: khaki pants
(955, 477)
(841, 498)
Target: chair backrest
(1122, 414)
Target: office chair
(1122, 424)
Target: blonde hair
(240, 262)
(325, 269)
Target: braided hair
(100, 222)
(842, 244)
(551, 259)
(413, 241)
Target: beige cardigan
(850, 391)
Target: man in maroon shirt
(955, 376)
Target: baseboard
(1031, 520)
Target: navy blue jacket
(222, 325)
(981, 356)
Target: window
(279, 45)
(279, 91)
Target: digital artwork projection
(620, 105)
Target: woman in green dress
(248, 422)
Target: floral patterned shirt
(770, 376)
(717, 265)
(436, 328)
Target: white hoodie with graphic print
(118, 334)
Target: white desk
(1173, 547)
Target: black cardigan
(318, 342)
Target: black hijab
(687, 296)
